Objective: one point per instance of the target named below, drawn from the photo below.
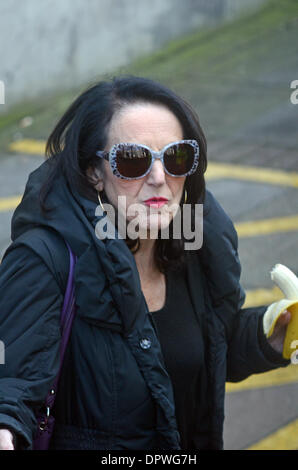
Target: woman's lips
(156, 202)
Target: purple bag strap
(66, 319)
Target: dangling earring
(98, 195)
(185, 196)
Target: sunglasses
(133, 161)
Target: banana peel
(287, 281)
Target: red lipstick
(156, 202)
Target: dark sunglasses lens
(132, 161)
(179, 158)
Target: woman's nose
(157, 173)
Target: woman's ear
(95, 177)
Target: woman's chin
(153, 225)
(147, 227)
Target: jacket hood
(105, 272)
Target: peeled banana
(287, 281)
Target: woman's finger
(6, 440)
(284, 318)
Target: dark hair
(83, 130)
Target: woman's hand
(277, 338)
(6, 440)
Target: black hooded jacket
(113, 394)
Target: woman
(158, 329)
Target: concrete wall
(54, 44)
